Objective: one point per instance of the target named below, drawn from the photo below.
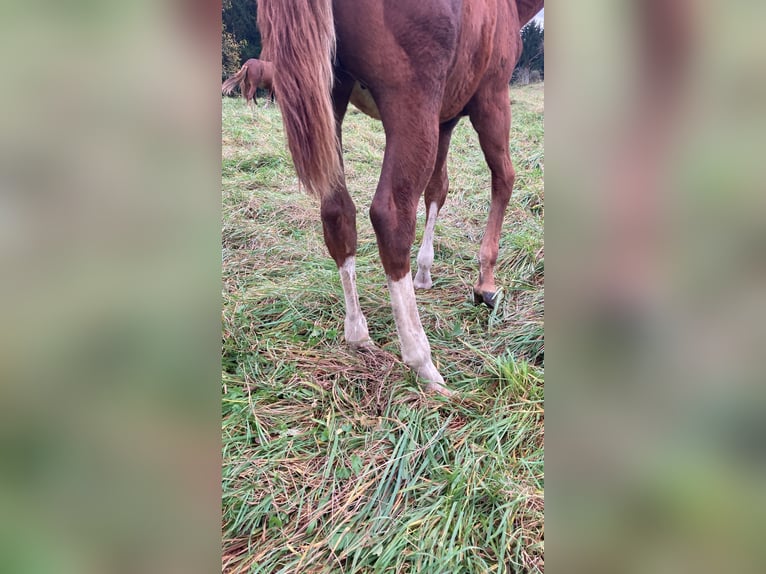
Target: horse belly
(472, 56)
(363, 100)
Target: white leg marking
(416, 352)
(426, 253)
(355, 325)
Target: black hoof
(487, 298)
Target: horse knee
(395, 231)
(509, 178)
(381, 215)
(504, 176)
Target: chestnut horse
(252, 75)
(418, 66)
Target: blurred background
(110, 286)
(655, 236)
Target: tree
(230, 47)
(240, 20)
(533, 53)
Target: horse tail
(229, 84)
(300, 36)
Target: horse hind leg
(249, 94)
(339, 226)
(490, 115)
(436, 194)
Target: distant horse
(252, 75)
(419, 66)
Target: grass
(335, 462)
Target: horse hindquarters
(428, 32)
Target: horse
(252, 75)
(419, 66)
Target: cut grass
(335, 462)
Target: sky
(540, 17)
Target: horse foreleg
(436, 194)
(493, 130)
(407, 165)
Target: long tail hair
(229, 84)
(300, 36)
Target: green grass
(335, 462)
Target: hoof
(436, 388)
(422, 281)
(432, 381)
(487, 298)
(365, 344)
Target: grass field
(335, 462)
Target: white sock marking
(355, 324)
(426, 253)
(416, 352)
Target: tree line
(531, 64)
(241, 40)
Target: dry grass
(334, 461)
